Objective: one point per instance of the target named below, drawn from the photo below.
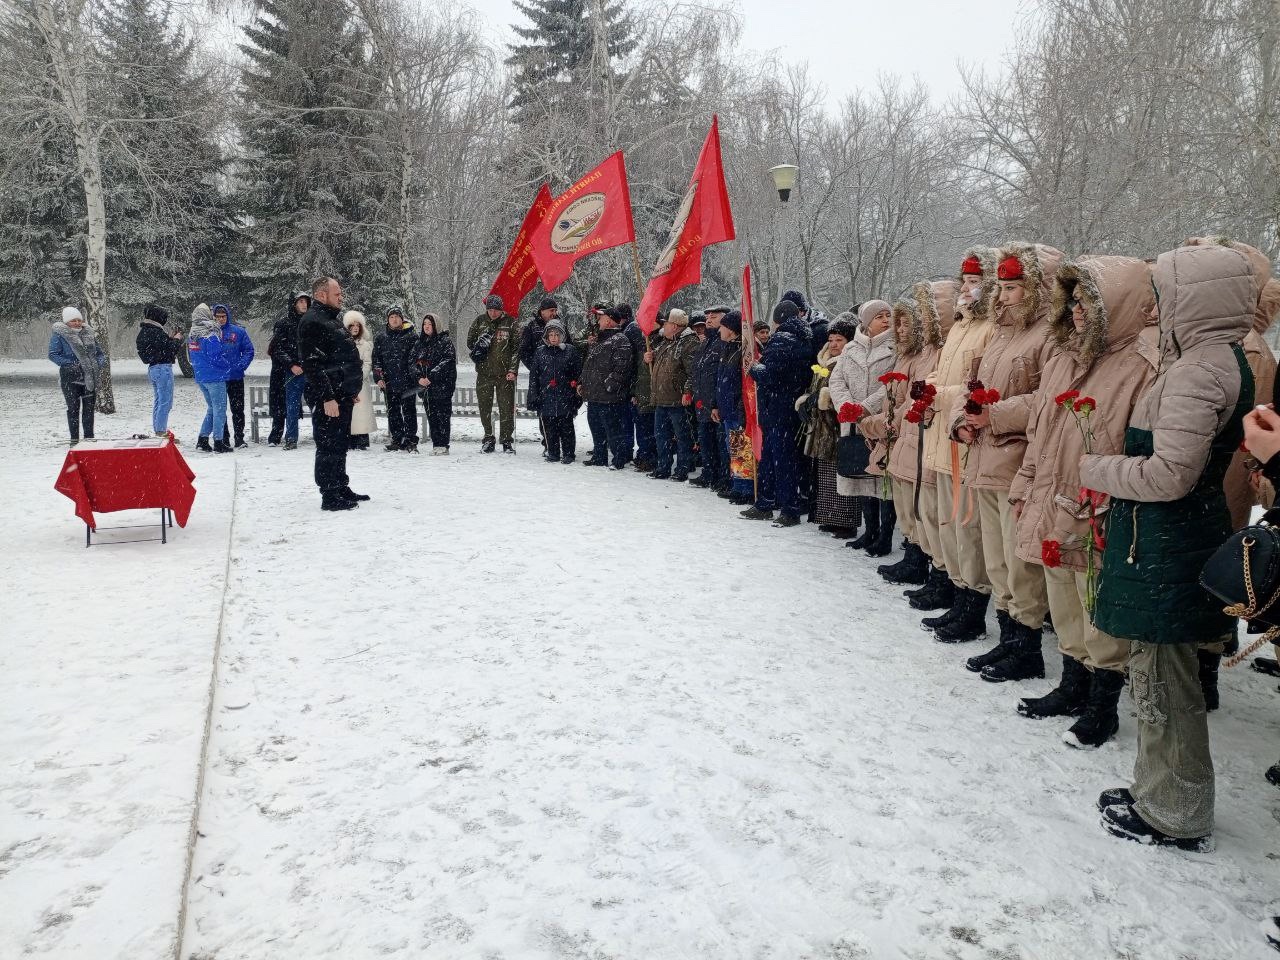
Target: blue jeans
(606, 423)
(161, 377)
(671, 426)
(646, 447)
(215, 415)
(293, 388)
(779, 472)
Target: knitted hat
(785, 310)
(844, 326)
(155, 313)
(1010, 269)
(548, 303)
(972, 266)
(624, 312)
(732, 320)
(557, 326)
(678, 317)
(493, 302)
(869, 309)
(796, 297)
(70, 313)
(395, 311)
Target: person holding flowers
(1168, 514)
(1103, 365)
(856, 381)
(992, 421)
(835, 514)
(921, 321)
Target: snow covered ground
(517, 710)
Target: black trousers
(275, 400)
(235, 399)
(402, 415)
(562, 441)
(79, 406)
(439, 407)
(333, 439)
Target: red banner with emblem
(750, 354)
(592, 215)
(704, 218)
(519, 274)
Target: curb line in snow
(208, 723)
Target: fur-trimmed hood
(1040, 264)
(983, 307)
(1268, 306)
(931, 309)
(1117, 298)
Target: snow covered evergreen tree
(560, 47)
(312, 185)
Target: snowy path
(513, 710)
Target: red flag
(519, 274)
(592, 215)
(750, 354)
(704, 218)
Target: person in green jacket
(494, 344)
(1167, 515)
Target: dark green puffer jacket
(1169, 513)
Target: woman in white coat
(362, 421)
(856, 379)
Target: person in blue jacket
(553, 391)
(728, 411)
(212, 367)
(238, 349)
(781, 375)
(73, 346)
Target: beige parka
(1109, 361)
(1012, 363)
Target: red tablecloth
(109, 475)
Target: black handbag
(481, 348)
(1244, 573)
(853, 456)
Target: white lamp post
(784, 179)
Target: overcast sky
(848, 42)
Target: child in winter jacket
(553, 391)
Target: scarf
(84, 344)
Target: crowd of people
(1061, 438)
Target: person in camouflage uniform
(494, 344)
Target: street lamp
(784, 179)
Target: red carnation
(551, 384)
(990, 396)
(574, 384)
(699, 404)
(1051, 553)
(1067, 396)
(851, 413)
(893, 376)
(1085, 406)
(913, 416)
(973, 385)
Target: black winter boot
(1272, 776)
(882, 546)
(221, 446)
(871, 517)
(1067, 699)
(912, 568)
(1209, 677)
(203, 444)
(1100, 721)
(970, 625)
(1123, 821)
(927, 587)
(999, 651)
(1025, 660)
(395, 444)
(939, 593)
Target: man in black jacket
(393, 374)
(334, 375)
(706, 374)
(531, 339)
(157, 348)
(284, 394)
(605, 384)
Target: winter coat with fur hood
(958, 361)
(1012, 363)
(930, 310)
(1110, 361)
(856, 379)
(1168, 512)
(362, 420)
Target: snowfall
(512, 710)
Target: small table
(103, 476)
